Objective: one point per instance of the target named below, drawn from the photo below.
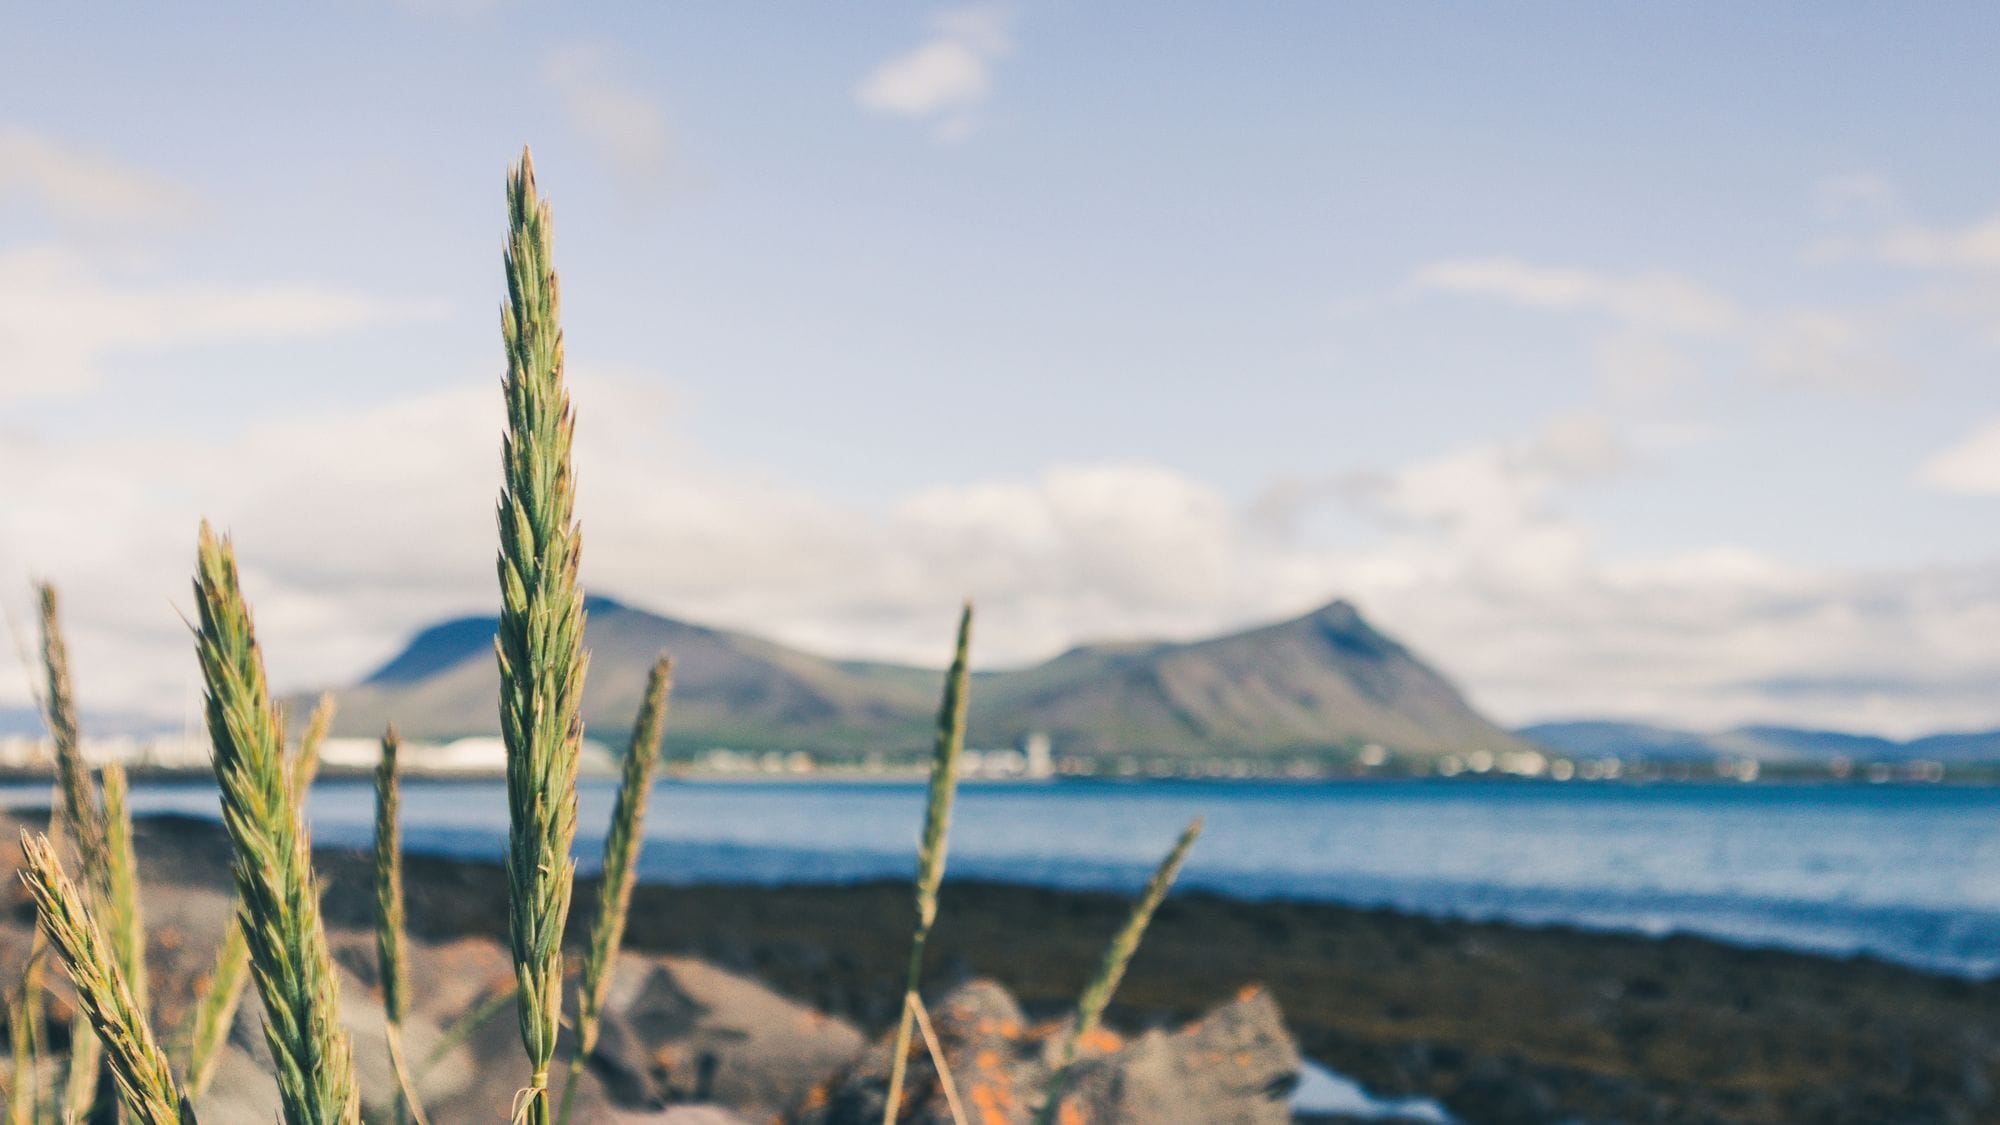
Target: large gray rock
(678, 1030)
(1235, 1066)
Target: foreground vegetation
(279, 937)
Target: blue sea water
(1906, 873)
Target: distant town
(1035, 759)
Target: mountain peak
(1339, 612)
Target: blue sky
(1626, 360)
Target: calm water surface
(1908, 873)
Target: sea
(1905, 873)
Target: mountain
(1594, 738)
(26, 722)
(1327, 681)
(729, 689)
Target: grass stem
(931, 850)
(1097, 994)
(620, 874)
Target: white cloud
(628, 127)
(1829, 350)
(945, 79)
(356, 528)
(1971, 467)
(1878, 231)
(1659, 300)
(1976, 246)
(80, 186)
(1855, 195)
(60, 318)
(1657, 314)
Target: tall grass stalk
(467, 1025)
(119, 903)
(145, 1082)
(82, 807)
(85, 1087)
(24, 1038)
(391, 958)
(1097, 994)
(621, 871)
(277, 894)
(305, 765)
(931, 850)
(28, 1012)
(540, 642)
(222, 994)
(216, 1005)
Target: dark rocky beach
(1499, 1023)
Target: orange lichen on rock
(1100, 1040)
(991, 1103)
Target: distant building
(1036, 748)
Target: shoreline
(1499, 1022)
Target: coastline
(1498, 1022)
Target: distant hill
(1766, 744)
(26, 722)
(1327, 681)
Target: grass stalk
(82, 807)
(305, 765)
(24, 1039)
(118, 899)
(621, 872)
(28, 1012)
(277, 894)
(915, 1003)
(460, 1032)
(222, 994)
(931, 850)
(391, 957)
(144, 1080)
(215, 1008)
(540, 642)
(87, 1069)
(1097, 994)
(83, 817)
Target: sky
(1624, 360)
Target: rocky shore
(770, 1003)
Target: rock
(1235, 1066)
(680, 1030)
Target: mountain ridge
(1766, 743)
(1324, 683)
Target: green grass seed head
(540, 641)
(277, 893)
(144, 1079)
